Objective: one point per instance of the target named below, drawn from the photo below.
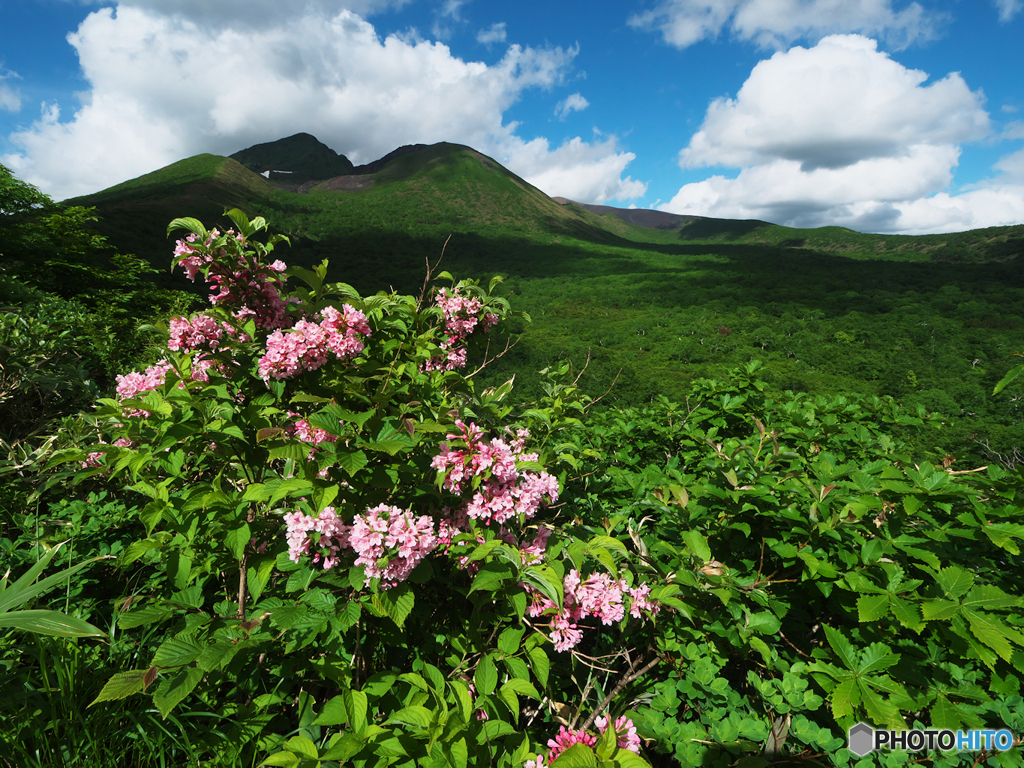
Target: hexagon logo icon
(861, 739)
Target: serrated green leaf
(939, 610)
(842, 648)
(176, 652)
(174, 689)
(121, 685)
(844, 698)
(397, 603)
(352, 462)
(872, 607)
(954, 581)
(906, 613)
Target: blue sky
(879, 115)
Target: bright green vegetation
(814, 568)
(930, 320)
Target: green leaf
(845, 698)
(352, 462)
(334, 712)
(300, 745)
(176, 688)
(1009, 378)
(842, 647)
(236, 540)
(509, 640)
(282, 759)
(872, 607)
(486, 676)
(954, 581)
(52, 623)
(416, 716)
(491, 576)
(121, 685)
(258, 574)
(149, 614)
(459, 752)
(176, 652)
(521, 688)
(357, 704)
(576, 756)
(540, 664)
(993, 633)
(698, 545)
(397, 603)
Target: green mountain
(294, 160)
(644, 302)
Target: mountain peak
(295, 159)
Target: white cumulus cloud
(573, 103)
(495, 33)
(842, 134)
(776, 23)
(10, 98)
(578, 170)
(166, 85)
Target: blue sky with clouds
(879, 115)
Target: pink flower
(307, 346)
(567, 738)
(199, 331)
(391, 533)
(505, 491)
(625, 732)
(332, 539)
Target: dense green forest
(698, 497)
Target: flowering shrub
(350, 538)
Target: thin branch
(583, 369)
(508, 346)
(430, 274)
(602, 397)
(628, 678)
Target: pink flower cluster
(250, 292)
(307, 346)
(393, 533)
(331, 536)
(462, 316)
(504, 491)
(198, 332)
(599, 596)
(389, 542)
(132, 384)
(626, 738)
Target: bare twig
(430, 274)
(508, 346)
(628, 678)
(602, 397)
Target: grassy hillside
(930, 320)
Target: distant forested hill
(930, 320)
